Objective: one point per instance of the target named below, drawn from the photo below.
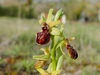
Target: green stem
(53, 55)
(54, 64)
(52, 48)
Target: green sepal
(49, 17)
(41, 57)
(58, 14)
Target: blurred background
(19, 25)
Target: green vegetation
(17, 42)
(73, 9)
(13, 11)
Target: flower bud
(44, 36)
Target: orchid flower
(52, 30)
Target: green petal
(54, 23)
(55, 31)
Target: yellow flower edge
(54, 23)
(51, 24)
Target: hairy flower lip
(73, 53)
(44, 36)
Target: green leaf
(50, 69)
(55, 31)
(49, 17)
(59, 64)
(41, 57)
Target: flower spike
(53, 33)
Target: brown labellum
(44, 36)
(73, 53)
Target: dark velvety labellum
(43, 37)
(72, 52)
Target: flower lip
(44, 36)
(73, 53)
